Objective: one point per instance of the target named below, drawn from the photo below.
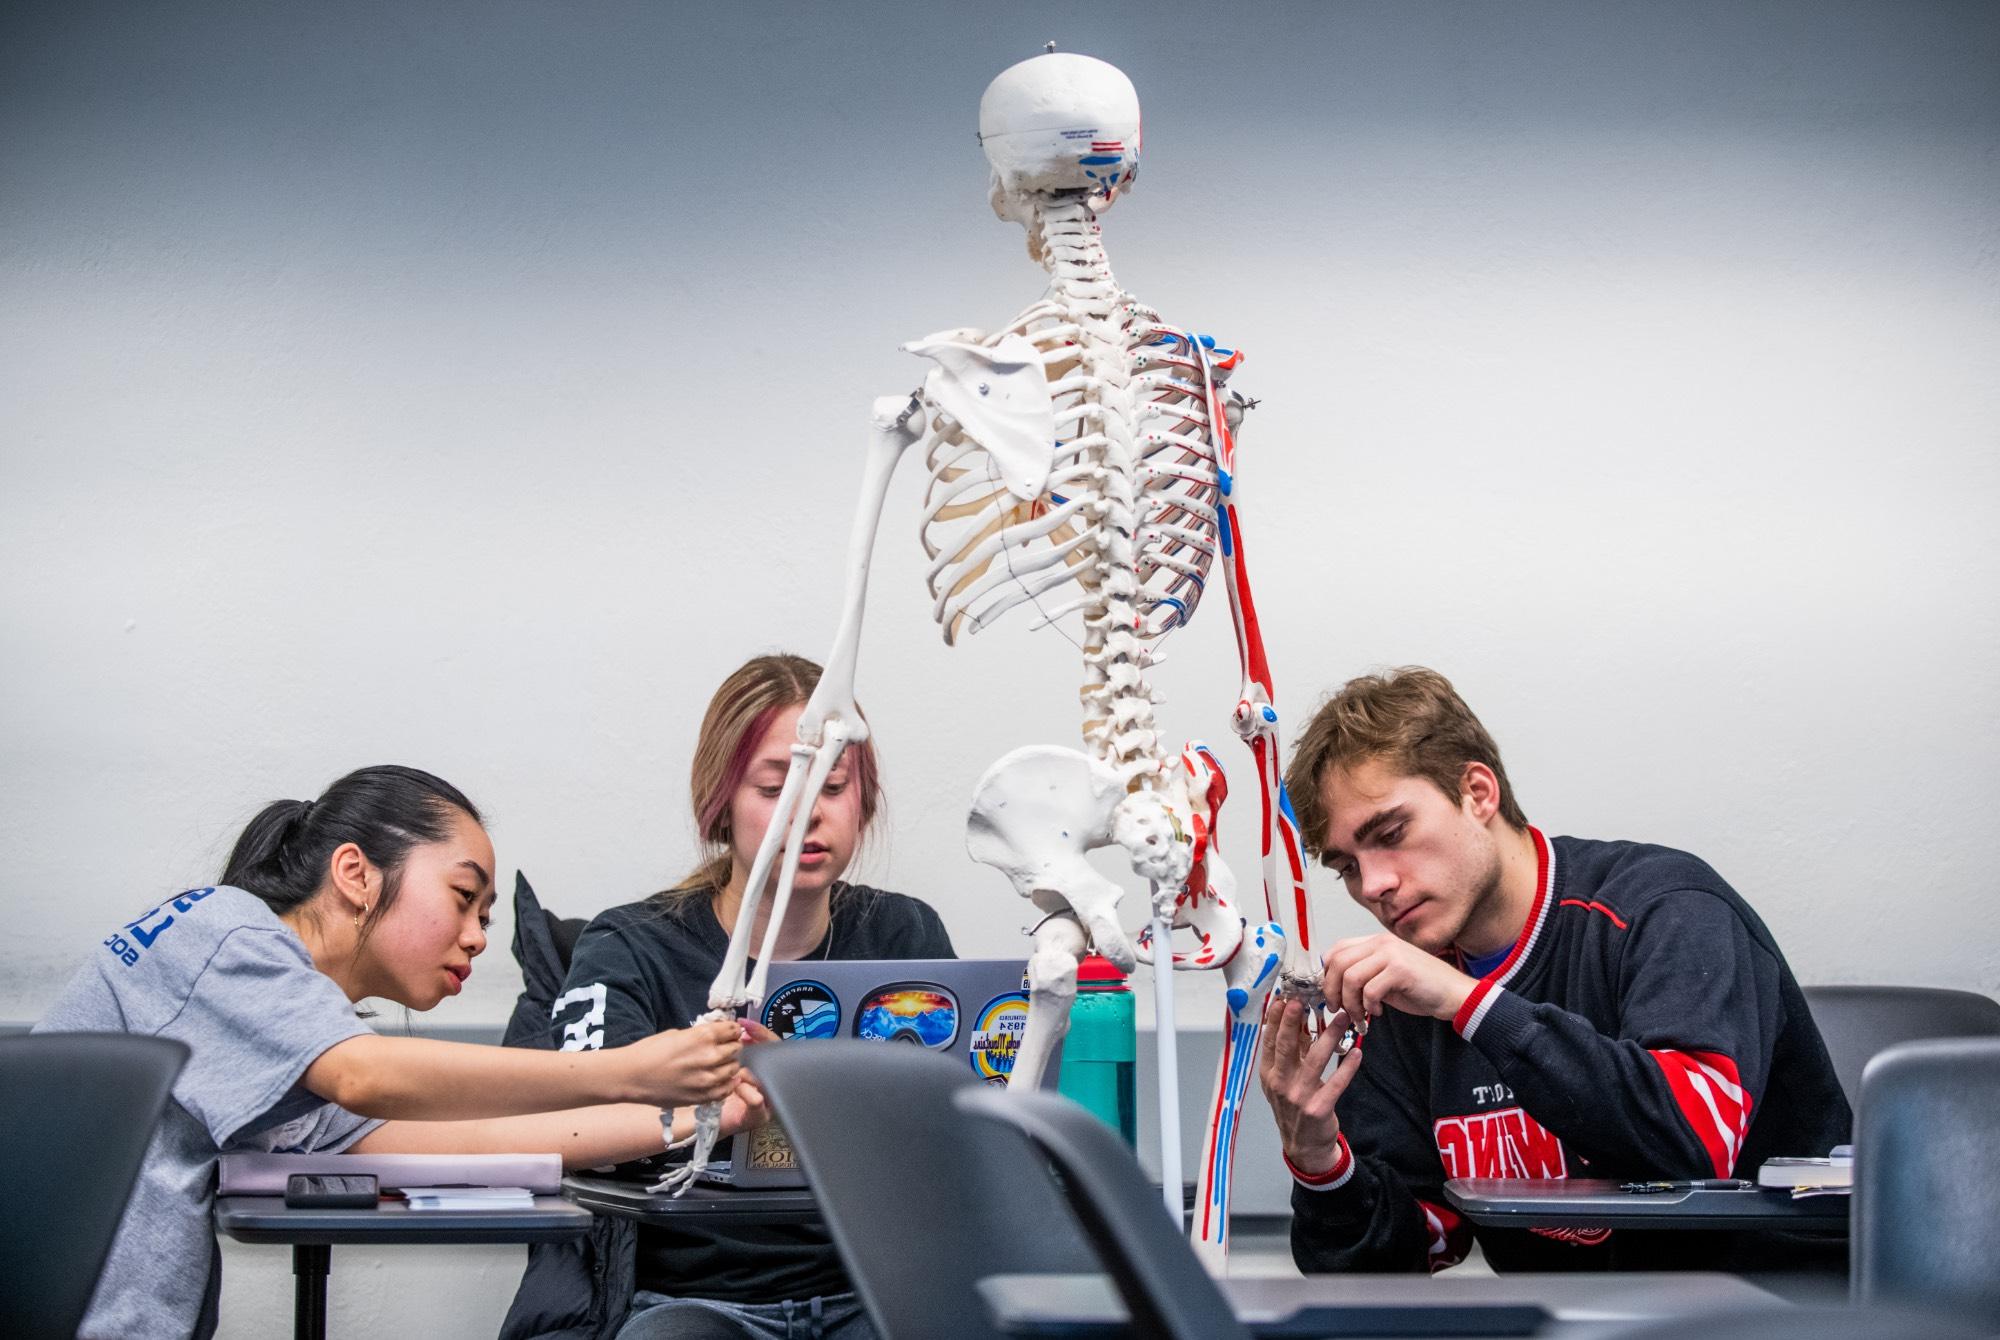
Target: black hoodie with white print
(1644, 1026)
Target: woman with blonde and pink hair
(648, 965)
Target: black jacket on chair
(577, 1290)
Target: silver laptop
(972, 1010)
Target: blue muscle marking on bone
(1099, 160)
(1227, 480)
(1222, 532)
(1238, 998)
(1242, 1039)
(1270, 960)
(1285, 807)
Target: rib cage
(991, 551)
(1127, 519)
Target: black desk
(1588, 1203)
(311, 1233)
(708, 1203)
(1583, 1306)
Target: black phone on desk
(331, 1191)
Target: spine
(1118, 726)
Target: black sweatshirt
(1644, 1026)
(648, 965)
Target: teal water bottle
(1100, 1063)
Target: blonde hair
(737, 717)
(1410, 719)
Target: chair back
(1926, 1216)
(1164, 1286)
(77, 1111)
(922, 1202)
(1859, 1021)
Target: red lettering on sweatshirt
(1506, 1143)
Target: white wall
(474, 385)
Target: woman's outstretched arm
(422, 1079)
(586, 1137)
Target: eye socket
(1392, 836)
(769, 792)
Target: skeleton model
(1082, 455)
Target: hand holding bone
(1291, 1067)
(697, 1064)
(1370, 972)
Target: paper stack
(260, 1174)
(1830, 1176)
(469, 1197)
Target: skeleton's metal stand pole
(1168, 1064)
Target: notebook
(261, 1174)
(972, 1010)
(1833, 1173)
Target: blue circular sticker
(803, 1010)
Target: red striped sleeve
(1712, 1099)
(1337, 1175)
(1450, 1236)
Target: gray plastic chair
(1860, 1021)
(921, 1201)
(1162, 1282)
(1926, 1219)
(77, 1111)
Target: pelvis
(1040, 809)
(1034, 815)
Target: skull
(1059, 122)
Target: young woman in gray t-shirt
(381, 888)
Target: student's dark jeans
(657, 1317)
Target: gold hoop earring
(359, 917)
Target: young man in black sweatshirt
(1540, 1007)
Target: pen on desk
(1694, 1184)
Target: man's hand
(1289, 1066)
(1369, 972)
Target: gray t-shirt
(216, 969)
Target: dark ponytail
(284, 852)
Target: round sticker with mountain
(923, 1013)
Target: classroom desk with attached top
(1497, 1202)
(311, 1235)
(713, 1205)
